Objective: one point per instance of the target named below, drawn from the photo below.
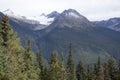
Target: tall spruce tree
(40, 64)
(80, 71)
(45, 75)
(54, 73)
(31, 70)
(119, 65)
(118, 77)
(100, 73)
(95, 71)
(12, 49)
(3, 67)
(63, 70)
(90, 73)
(70, 65)
(106, 72)
(39, 59)
(111, 67)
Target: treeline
(18, 63)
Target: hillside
(89, 40)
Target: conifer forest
(21, 63)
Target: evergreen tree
(63, 70)
(3, 69)
(111, 67)
(119, 66)
(54, 73)
(81, 71)
(106, 72)
(45, 75)
(31, 70)
(117, 73)
(18, 63)
(100, 73)
(40, 64)
(90, 73)
(95, 70)
(39, 59)
(62, 61)
(70, 65)
(12, 49)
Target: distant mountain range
(89, 39)
(43, 20)
(113, 23)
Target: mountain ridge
(112, 23)
(89, 40)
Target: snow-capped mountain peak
(42, 19)
(45, 19)
(8, 12)
(53, 14)
(72, 13)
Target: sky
(92, 9)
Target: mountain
(88, 39)
(45, 19)
(53, 14)
(70, 18)
(30, 23)
(113, 23)
(10, 13)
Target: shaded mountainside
(113, 23)
(89, 41)
(87, 44)
(18, 63)
(24, 30)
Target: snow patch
(42, 19)
(73, 15)
(10, 13)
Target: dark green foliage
(3, 68)
(95, 69)
(70, 62)
(11, 49)
(106, 72)
(54, 71)
(100, 73)
(111, 67)
(31, 70)
(45, 75)
(119, 65)
(90, 73)
(88, 44)
(81, 75)
(40, 64)
(63, 72)
(39, 59)
(18, 63)
(71, 65)
(5, 28)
